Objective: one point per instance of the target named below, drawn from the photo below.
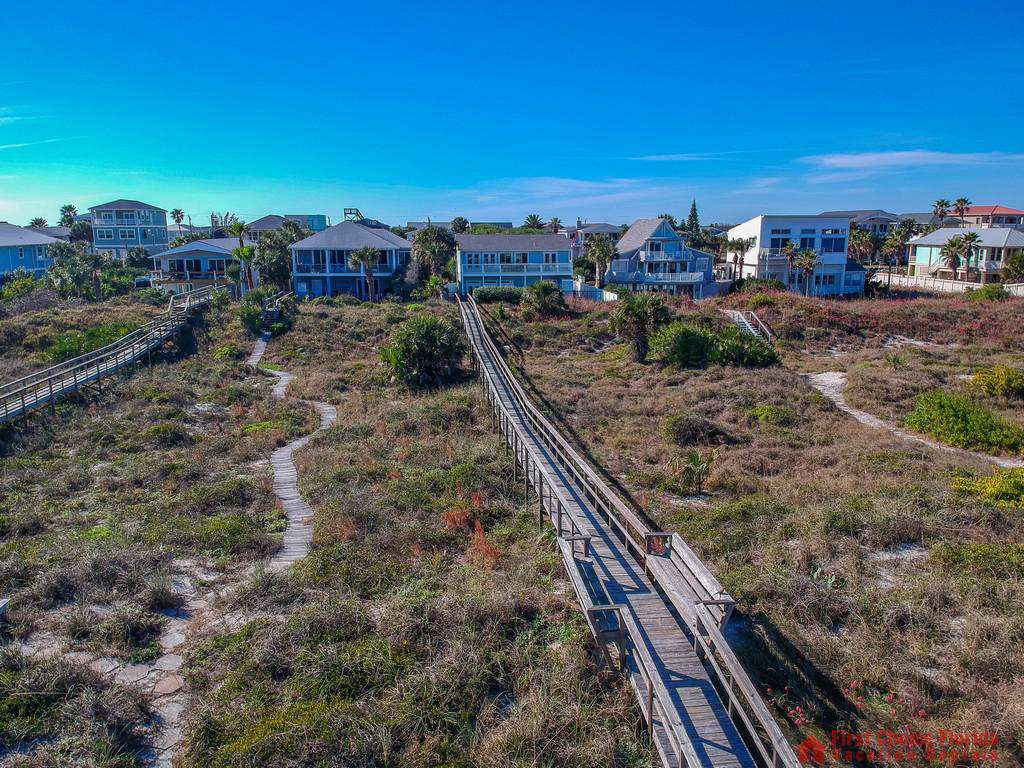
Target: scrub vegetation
(879, 582)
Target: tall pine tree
(693, 221)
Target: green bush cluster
(543, 299)
(17, 284)
(75, 343)
(686, 429)
(1005, 487)
(999, 560)
(1000, 381)
(489, 294)
(692, 346)
(965, 423)
(990, 292)
(424, 351)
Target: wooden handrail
(681, 574)
(21, 395)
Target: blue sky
(599, 110)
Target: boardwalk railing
(749, 321)
(666, 559)
(24, 395)
(270, 307)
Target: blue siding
(31, 258)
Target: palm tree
(970, 242)
(941, 209)
(179, 216)
(951, 253)
(460, 224)
(67, 215)
(38, 221)
(533, 221)
(636, 317)
(960, 205)
(601, 251)
(243, 253)
(807, 261)
(365, 259)
(740, 246)
(555, 224)
(789, 250)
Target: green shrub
(1000, 381)
(735, 347)
(75, 343)
(168, 434)
(489, 294)
(683, 344)
(227, 352)
(757, 285)
(424, 351)
(685, 429)
(17, 284)
(543, 299)
(759, 300)
(960, 421)
(777, 416)
(280, 327)
(990, 292)
(999, 560)
(251, 316)
(1005, 487)
(690, 346)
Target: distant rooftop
(513, 242)
(351, 236)
(990, 237)
(992, 210)
(126, 205)
(13, 235)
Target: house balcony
(563, 268)
(635, 276)
(663, 255)
(342, 271)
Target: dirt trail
(832, 384)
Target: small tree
(243, 252)
(138, 258)
(970, 246)
(1013, 272)
(807, 261)
(460, 225)
(693, 224)
(365, 259)
(941, 209)
(695, 469)
(533, 221)
(178, 215)
(740, 246)
(38, 221)
(543, 299)
(636, 317)
(424, 351)
(81, 232)
(601, 250)
(67, 215)
(431, 248)
(960, 205)
(951, 253)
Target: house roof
(852, 265)
(992, 210)
(12, 234)
(991, 237)
(867, 213)
(599, 228)
(351, 236)
(528, 242)
(270, 221)
(638, 234)
(215, 245)
(58, 232)
(127, 205)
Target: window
(777, 243)
(193, 265)
(833, 231)
(702, 265)
(107, 217)
(125, 234)
(522, 258)
(382, 258)
(550, 258)
(104, 234)
(780, 232)
(472, 259)
(21, 254)
(654, 246)
(505, 258)
(218, 265)
(808, 231)
(339, 259)
(806, 243)
(833, 244)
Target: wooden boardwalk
(37, 390)
(656, 605)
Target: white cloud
(914, 158)
(34, 143)
(679, 157)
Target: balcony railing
(562, 268)
(340, 270)
(167, 275)
(635, 276)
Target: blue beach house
(514, 260)
(22, 248)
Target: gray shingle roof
(128, 205)
(991, 237)
(638, 234)
(350, 236)
(59, 232)
(530, 242)
(864, 213)
(215, 245)
(13, 235)
(271, 221)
